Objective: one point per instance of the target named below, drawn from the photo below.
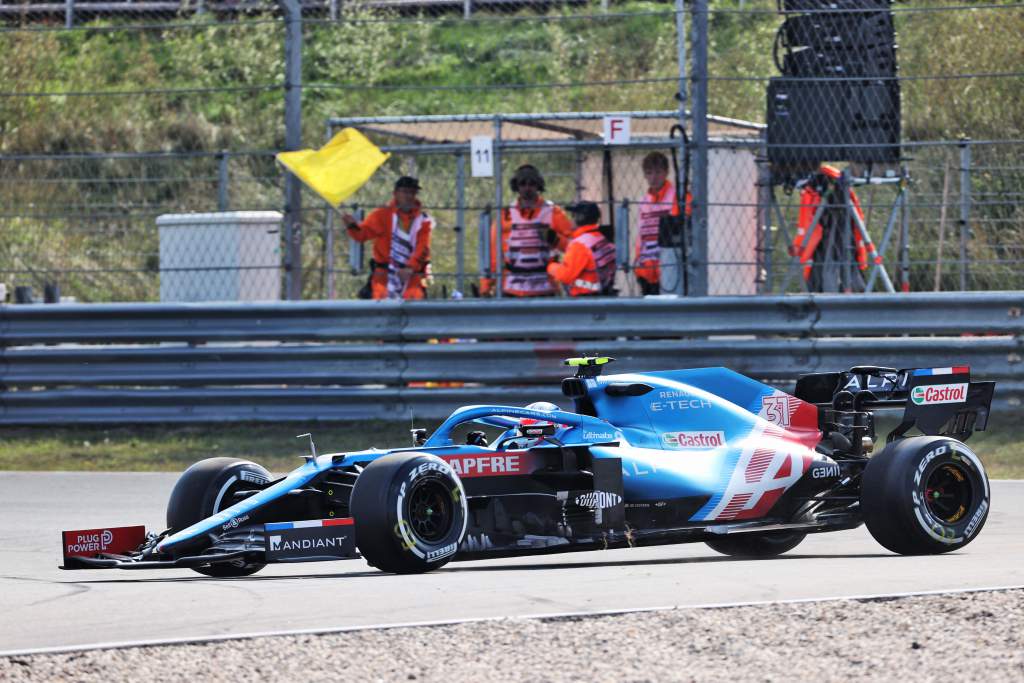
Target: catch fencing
(112, 114)
(134, 363)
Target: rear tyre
(206, 488)
(410, 513)
(756, 545)
(925, 495)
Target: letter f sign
(616, 130)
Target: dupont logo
(939, 393)
(693, 439)
(598, 499)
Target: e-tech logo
(678, 400)
(939, 393)
(693, 440)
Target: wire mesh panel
(114, 113)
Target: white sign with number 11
(481, 154)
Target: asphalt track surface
(44, 607)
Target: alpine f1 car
(645, 458)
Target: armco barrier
(113, 363)
(391, 321)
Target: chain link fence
(114, 114)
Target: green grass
(175, 448)
(275, 446)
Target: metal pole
(460, 222)
(334, 10)
(293, 141)
(765, 243)
(499, 198)
(886, 236)
(331, 282)
(904, 239)
(681, 58)
(329, 261)
(467, 9)
(222, 181)
(965, 207)
(69, 13)
(698, 253)
(843, 185)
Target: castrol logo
(697, 440)
(939, 393)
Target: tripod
(840, 229)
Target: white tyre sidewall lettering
(429, 553)
(935, 528)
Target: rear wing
(938, 401)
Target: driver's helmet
(542, 406)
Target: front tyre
(756, 545)
(410, 513)
(206, 488)
(925, 495)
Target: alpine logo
(939, 393)
(598, 499)
(488, 465)
(692, 440)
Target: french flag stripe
(955, 370)
(308, 523)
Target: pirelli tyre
(756, 545)
(925, 495)
(207, 487)
(410, 513)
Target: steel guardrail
(391, 321)
(109, 363)
(503, 363)
(95, 406)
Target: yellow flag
(339, 168)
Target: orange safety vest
(527, 253)
(810, 199)
(589, 264)
(651, 209)
(394, 248)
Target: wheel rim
(430, 511)
(948, 493)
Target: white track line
(199, 640)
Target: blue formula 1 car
(645, 458)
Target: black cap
(409, 182)
(584, 213)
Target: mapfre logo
(689, 440)
(487, 465)
(939, 393)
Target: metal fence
(130, 363)
(143, 109)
